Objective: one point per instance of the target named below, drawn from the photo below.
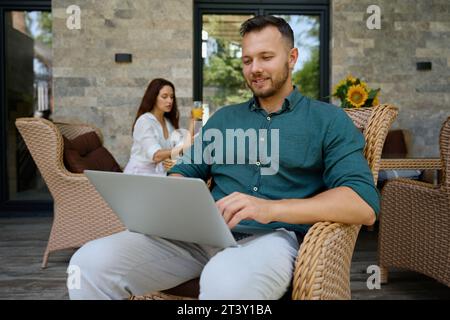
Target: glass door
(223, 82)
(27, 92)
(306, 73)
(218, 76)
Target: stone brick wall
(90, 87)
(411, 31)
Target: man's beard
(277, 84)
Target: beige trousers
(129, 263)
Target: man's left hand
(239, 206)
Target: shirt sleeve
(345, 164)
(146, 133)
(193, 164)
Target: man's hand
(239, 206)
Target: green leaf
(373, 94)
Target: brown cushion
(86, 152)
(84, 144)
(394, 145)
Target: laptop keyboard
(240, 235)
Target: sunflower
(375, 101)
(357, 96)
(355, 93)
(351, 78)
(343, 82)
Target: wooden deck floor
(23, 241)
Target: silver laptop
(175, 208)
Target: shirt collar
(289, 102)
(152, 116)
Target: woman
(157, 118)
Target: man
(321, 175)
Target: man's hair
(260, 22)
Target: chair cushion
(394, 174)
(394, 145)
(86, 152)
(84, 143)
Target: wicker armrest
(322, 268)
(415, 229)
(409, 183)
(404, 200)
(404, 164)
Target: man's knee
(88, 269)
(221, 280)
(262, 270)
(216, 285)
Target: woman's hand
(168, 164)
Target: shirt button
(268, 118)
(255, 189)
(258, 163)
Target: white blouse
(148, 138)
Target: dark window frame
(320, 8)
(15, 207)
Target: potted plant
(354, 93)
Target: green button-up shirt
(317, 148)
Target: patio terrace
(23, 241)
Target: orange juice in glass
(197, 111)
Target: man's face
(267, 61)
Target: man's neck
(275, 102)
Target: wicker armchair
(415, 219)
(322, 268)
(80, 213)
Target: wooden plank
(23, 242)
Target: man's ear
(293, 56)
